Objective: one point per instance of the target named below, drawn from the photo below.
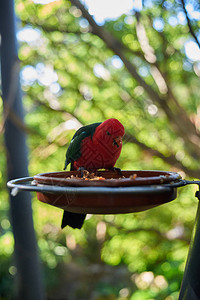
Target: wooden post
(190, 288)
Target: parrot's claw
(117, 170)
(82, 169)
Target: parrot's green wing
(74, 149)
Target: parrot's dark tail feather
(72, 219)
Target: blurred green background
(141, 67)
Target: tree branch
(192, 141)
(160, 79)
(189, 23)
(171, 159)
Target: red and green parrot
(95, 146)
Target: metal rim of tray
(26, 184)
(109, 200)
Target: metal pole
(29, 283)
(190, 288)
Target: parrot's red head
(102, 149)
(110, 133)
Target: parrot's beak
(117, 141)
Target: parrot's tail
(72, 219)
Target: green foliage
(132, 256)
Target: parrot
(95, 146)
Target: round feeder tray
(110, 192)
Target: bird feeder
(107, 193)
(111, 192)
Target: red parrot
(95, 146)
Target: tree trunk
(29, 285)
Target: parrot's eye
(108, 133)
